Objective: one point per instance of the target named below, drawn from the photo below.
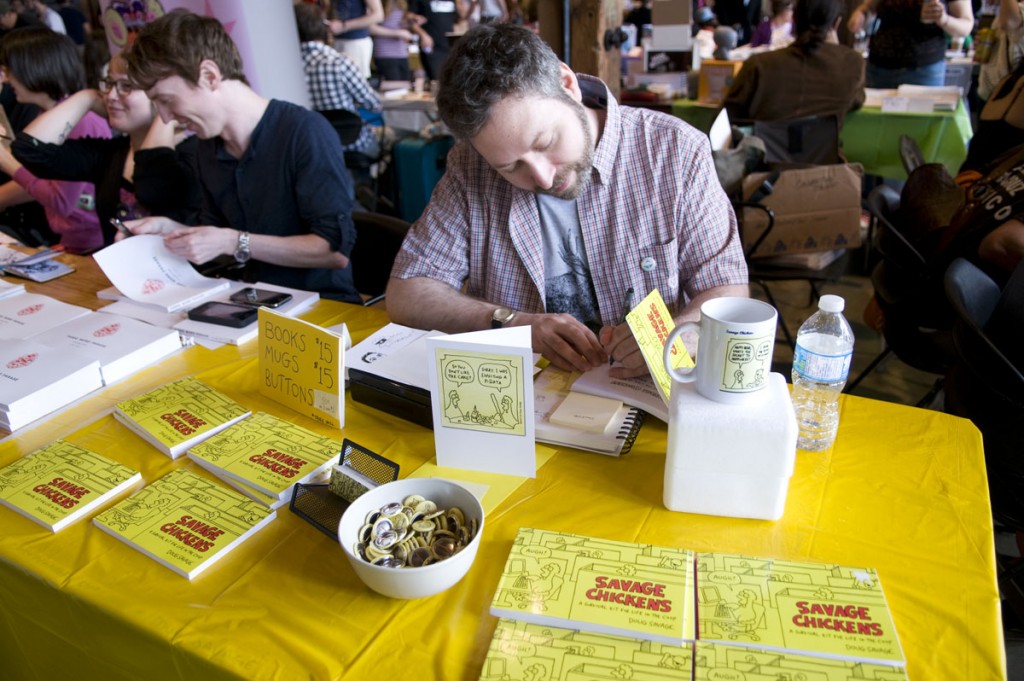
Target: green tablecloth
(871, 137)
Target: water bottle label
(821, 368)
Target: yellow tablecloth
(871, 137)
(903, 490)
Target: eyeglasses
(123, 87)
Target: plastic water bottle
(824, 348)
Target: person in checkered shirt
(560, 209)
(333, 80)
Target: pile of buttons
(413, 533)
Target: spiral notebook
(550, 388)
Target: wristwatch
(242, 252)
(502, 317)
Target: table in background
(409, 113)
(903, 490)
(871, 137)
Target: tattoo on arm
(65, 133)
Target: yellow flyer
(651, 324)
(301, 366)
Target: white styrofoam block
(730, 460)
(726, 494)
(671, 37)
(755, 437)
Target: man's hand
(201, 244)
(195, 244)
(153, 225)
(565, 341)
(621, 346)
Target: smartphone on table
(224, 314)
(260, 297)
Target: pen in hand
(627, 305)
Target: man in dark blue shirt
(275, 191)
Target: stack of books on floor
(264, 457)
(577, 607)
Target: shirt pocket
(659, 266)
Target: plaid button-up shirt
(653, 216)
(334, 82)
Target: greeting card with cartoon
(481, 392)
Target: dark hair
(780, 6)
(176, 44)
(44, 61)
(310, 20)
(812, 20)
(489, 63)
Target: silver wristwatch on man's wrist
(502, 317)
(242, 252)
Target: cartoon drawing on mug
(747, 363)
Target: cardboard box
(672, 37)
(666, 12)
(816, 209)
(670, 25)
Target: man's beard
(582, 167)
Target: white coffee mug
(736, 339)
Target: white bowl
(420, 581)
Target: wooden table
(77, 288)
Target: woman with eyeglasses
(137, 174)
(43, 67)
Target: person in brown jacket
(815, 76)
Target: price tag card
(301, 366)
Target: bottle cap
(831, 303)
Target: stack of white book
(121, 345)
(146, 272)
(204, 331)
(36, 380)
(10, 288)
(28, 314)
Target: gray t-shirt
(568, 284)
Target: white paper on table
(144, 270)
(481, 395)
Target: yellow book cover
(178, 415)
(184, 521)
(817, 609)
(302, 366)
(598, 585)
(651, 324)
(712, 661)
(60, 483)
(268, 454)
(520, 650)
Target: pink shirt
(70, 206)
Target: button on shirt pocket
(659, 265)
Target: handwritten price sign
(301, 366)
